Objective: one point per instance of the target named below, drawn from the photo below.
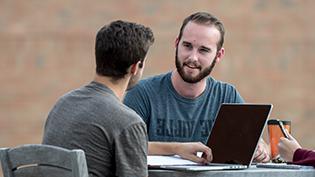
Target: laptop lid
(236, 132)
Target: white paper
(157, 160)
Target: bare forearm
(186, 150)
(162, 148)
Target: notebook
(233, 139)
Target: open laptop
(234, 137)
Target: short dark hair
(207, 19)
(119, 45)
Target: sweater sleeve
(304, 157)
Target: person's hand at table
(189, 151)
(262, 154)
(186, 150)
(287, 147)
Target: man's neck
(185, 89)
(118, 86)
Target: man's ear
(135, 67)
(176, 42)
(220, 55)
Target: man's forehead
(202, 34)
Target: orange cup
(275, 133)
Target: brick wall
(47, 49)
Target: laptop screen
(236, 132)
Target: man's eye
(186, 45)
(204, 51)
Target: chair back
(39, 160)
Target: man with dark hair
(181, 106)
(94, 119)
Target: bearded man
(180, 107)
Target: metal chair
(38, 160)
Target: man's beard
(190, 79)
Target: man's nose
(193, 55)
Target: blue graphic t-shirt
(171, 117)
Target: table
(250, 172)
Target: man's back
(93, 119)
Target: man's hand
(287, 147)
(184, 150)
(189, 151)
(262, 153)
